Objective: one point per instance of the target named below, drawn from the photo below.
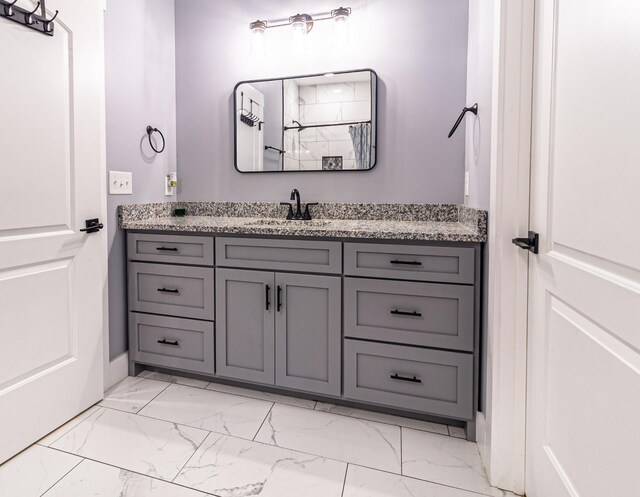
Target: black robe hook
(473, 109)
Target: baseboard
(117, 370)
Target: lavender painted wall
(417, 47)
(140, 90)
(478, 138)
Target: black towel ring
(150, 131)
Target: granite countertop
(428, 222)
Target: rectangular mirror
(319, 122)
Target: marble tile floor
(165, 436)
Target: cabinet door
(308, 333)
(245, 325)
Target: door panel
(308, 333)
(583, 393)
(52, 276)
(26, 101)
(245, 325)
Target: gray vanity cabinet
(245, 325)
(308, 334)
(279, 328)
(383, 324)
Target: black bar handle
(406, 313)
(167, 249)
(531, 243)
(167, 342)
(92, 225)
(168, 290)
(267, 293)
(406, 263)
(279, 298)
(396, 376)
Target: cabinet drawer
(174, 290)
(427, 314)
(432, 381)
(175, 249)
(406, 262)
(287, 255)
(172, 342)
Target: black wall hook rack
(29, 18)
(473, 109)
(150, 131)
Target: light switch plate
(120, 183)
(466, 183)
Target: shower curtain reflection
(361, 138)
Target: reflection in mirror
(323, 122)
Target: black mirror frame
(374, 118)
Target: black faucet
(306, 216)
(295, 195)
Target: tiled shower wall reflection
(323, 104)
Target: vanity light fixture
(301, 24)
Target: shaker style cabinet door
(245, 307)
(308, 333)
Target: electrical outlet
(170, 183)
(120, 183)
(466, 183)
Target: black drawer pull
(168, 290)
(279, 299)
(405, 378)
(267, 294)
(167, 249)
(406, 313)
(407, 263)
(167, 342)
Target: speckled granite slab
(430, 222)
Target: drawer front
(175, 249)
(287, 255)
(173, 290)
(427, 314)
(407, 262)
(172, 342)
(430, 381)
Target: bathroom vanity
(381, 312)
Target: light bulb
(258, 38)
(301, 24)
(341, 26)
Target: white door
(250, 101)
(583, 399)
(52, 276)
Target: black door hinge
(530, 243)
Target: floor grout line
(131, 471)
(154, 398)
(401, 456)
(63, 476)
(344, 482)
(73, 427)
(262, 424)
(191, 456)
